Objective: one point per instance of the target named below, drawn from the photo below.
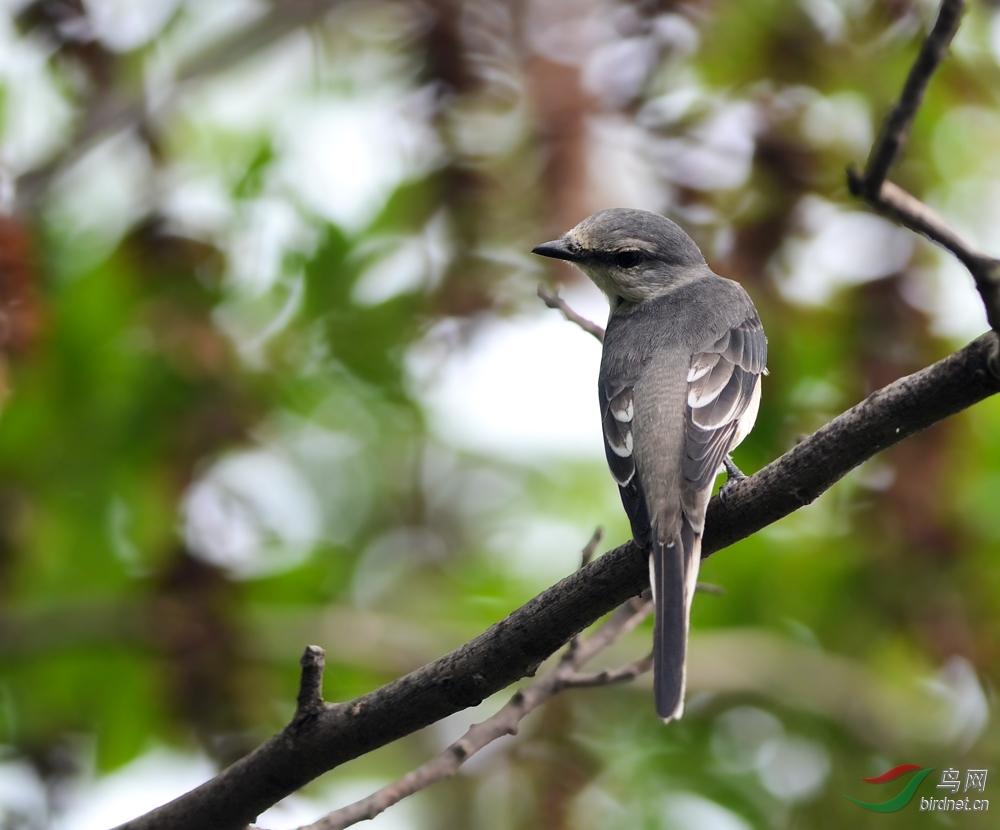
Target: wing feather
(721, 385)
(701, 365)
(617, 411)
(705, 390)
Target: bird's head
(631, 255)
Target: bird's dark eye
(627, 259)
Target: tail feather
(673, 567)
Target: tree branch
(516, 646)
(559, 304)
(586, 557)
(609, 676)
(896, 129)
(894, 202)
(507, 720)
(310, 700)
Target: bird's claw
(734, 472)
(734, 475)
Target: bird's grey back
(689, 317)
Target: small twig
(897, 126)
(894, 202)
(310, 699)
(622, 620)
(508, 719)
(591, 547)
(709, 588)
(586, 555)
(609, 677)
(559, 304)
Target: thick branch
(881, 420)
(515, 646)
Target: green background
(165, 349)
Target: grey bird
(679, 388)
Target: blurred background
(273, 372)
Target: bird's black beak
(557, 249)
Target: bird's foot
(734, 475)
(734, 472)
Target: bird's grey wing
(722, 391)
(617, 415)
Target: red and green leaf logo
(901, 800)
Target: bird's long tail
(673, 575)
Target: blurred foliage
(244, 243)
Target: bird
(679, 388)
